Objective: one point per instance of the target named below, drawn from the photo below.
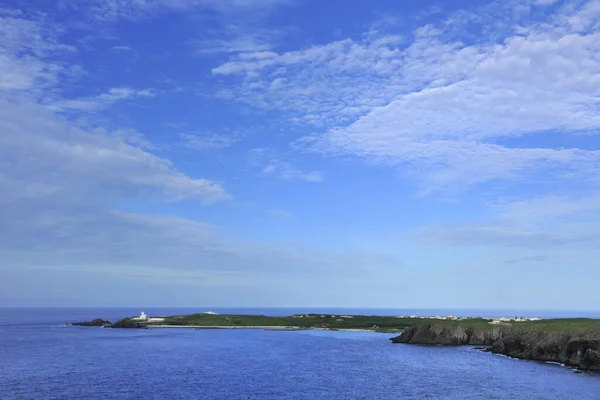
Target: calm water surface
(41, 358)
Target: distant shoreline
(270, 328)
(574, 342)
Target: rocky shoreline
(95, 322)
(573, 342)
(209, 320)
(579, 349)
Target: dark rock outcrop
(128, 323)
(434, 334)
(579, 350)
(95, 322)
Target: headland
(574, 342)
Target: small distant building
(144, 317)
(210, 312)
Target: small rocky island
(572, 342)
(95, 322)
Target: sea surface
(43, 358)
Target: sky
(429, 154)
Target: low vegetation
(574, 342)
(388, 323)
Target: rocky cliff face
(127, 323)
(579, 350)
(443, 335)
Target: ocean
(43, 358)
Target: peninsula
(574, 342)
(210, 320)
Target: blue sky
(300, 153)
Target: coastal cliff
(127, 323)
(580, 350)
(446, 334)
(576, 346)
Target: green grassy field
(589, 327)
(372, 322)
(389, 323)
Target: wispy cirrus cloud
(439, 103)
(235, 38)
(63, 182)
(281, 213)
(551, 222)
(46, 154)
(29, 57)
(110, 10)
(50, 162)
(270, 163)
(102, 100)
(207, 142)
(121, 48)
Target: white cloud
(63, 184)
(502, 235)
(234, 38)
(108, 10)
(47, 157)
(23, 44)
(281, 213)
(121, 48)
(42, 150)
(542, 222)
(270, 163)
(101, 101)
(550, 209)
(89, 238)
(207, 142)
(439, 105)
(285, 171)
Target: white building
(144, 317)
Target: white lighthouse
(142, 317)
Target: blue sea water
(42, 358)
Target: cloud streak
(101, 101)
(270, 163)
(438, 105)
(207, 142)
(543, 222)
